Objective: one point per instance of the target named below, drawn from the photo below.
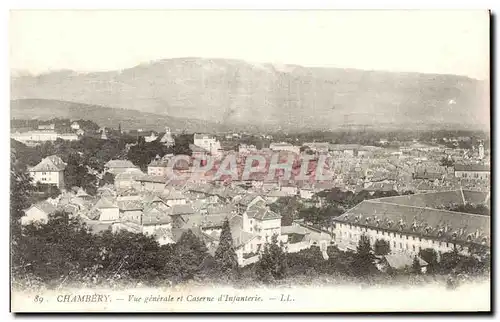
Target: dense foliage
(225, 256)
(273, 262)
(364, 262)
(381, 247)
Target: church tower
(481, 151)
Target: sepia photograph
(217, 161)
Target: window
(401, 245)
(406, 236)
(394, 244)
(413, 237)
(440, 244)
(447, 245)
(400, 236)
(383, 233)
(419, 238)
(413, 247)
(406, 245)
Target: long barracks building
(414, 222)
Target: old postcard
(250, 161)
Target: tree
(449, 261)
(77, 174)
(429, 255)
(288, 208)
(107, 178)
(273, 262)
(182, 142)
(225, 256)
(415, 266)
(364, 261)
(381, 247)
(190, 256)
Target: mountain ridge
(235, 93)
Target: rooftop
(421, 220)
(44, 206)
(51, 163)
(182, 210)
(262, 213)
(472, 167)
(120, 164)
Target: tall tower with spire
(481, 151)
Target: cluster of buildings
(156, 204)
(46, 132)
(166, 209)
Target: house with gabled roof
(118, 166)
(108, 209)
(38, 212)
(261, 220)
(153, 219)
(173, 197)
(49, 171)
(130, 210)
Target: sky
(443, 42)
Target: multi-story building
(49, 171)
(158, 167)
(208, 143)
(259, 219)
(44, 127)
(411, 223)
(34, 137)
(472, 171)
